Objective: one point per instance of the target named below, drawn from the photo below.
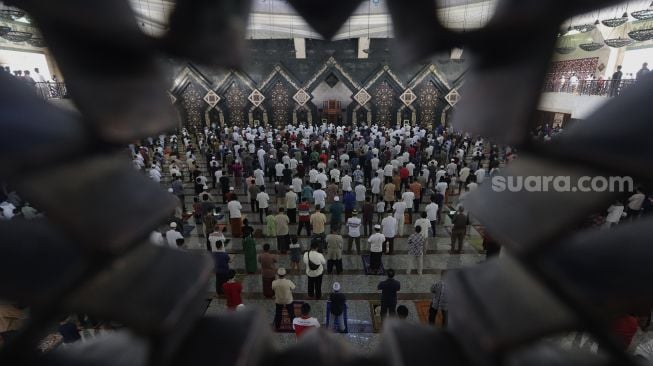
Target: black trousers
(367, 227)
(292, 215)
(253, 205)
(358, 244)
(375, 260)
(433, 313)
(304, 224)
(282, 243)
(388, 308)
(220, 279)
(315, 287)
(433, 226)
(334, 263)
(262, 212)
(278, 313)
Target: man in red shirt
(305, 322)
(303, 210)
(404, 174)
(232, 291)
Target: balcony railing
(51, 90)
(606, 88)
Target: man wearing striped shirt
(439, 301)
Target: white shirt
(346, 183)
(319, 196)
(614, 214)
(360, 192)
(316, 258)
(464, 174)
(635, 201)
(389, 226)
(354, 226)
(380, 207)
(234, 209)
(335, 175)
(259, 177)
(399, 207)
(375, 163)
(411, 168)
(441, 187)
(279, 169)
(451, 168)
(322, 179)
(171, 236)
(424, 224)
(387, 170)
(472, 186)
(297, 185)
(312, 176)
(408, 198)
(263, 198)
(376, 241)
(432, 211)
(376, 185)
(480, 175)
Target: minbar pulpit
(331, 110)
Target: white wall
(23, 60)
(339, 92)
(580, 106)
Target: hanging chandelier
(11, 14)
(615, 22)
(641, 34)
(584, 28)
(592, 46)
(643, 14)
(36, 42)
(618, 42)
(17, 36)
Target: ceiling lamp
(584, 28)
(590, 47)
(17, 36)
(618, 42)
(615, 22)
(641, 34)
(4, 30)
(11, 14)
(643, 14)
(36, 42)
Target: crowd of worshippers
(360, 177)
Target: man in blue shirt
(221, 260)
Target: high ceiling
(277, 18)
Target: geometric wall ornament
(453, 97)
(362, 97)
(173, 99)
(211, 98)
(301, 97)
(408, 97)
(256, 98)
(331, 80)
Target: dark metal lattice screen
(90, 256)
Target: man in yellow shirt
(318, 222)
